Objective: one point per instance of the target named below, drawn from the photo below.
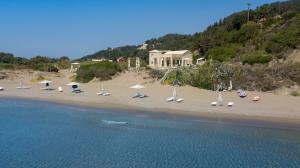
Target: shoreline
(236, 119)
(270, 109)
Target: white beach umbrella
(72, 84)
(45, 82)
(137, 86)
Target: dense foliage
(40, 63)
(272, 29)
(102, 70)
(255, 77)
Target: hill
(167, 42)
(271, 32)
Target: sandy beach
(272, 107)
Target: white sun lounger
(214, 103)
(100, 93)
(103, 93)
(136, 95)
(106, 94)
(23, 87)
(230, 104)
(142, 96)
(179, 100)
(60, 89)
(170, 99)
(47, 88)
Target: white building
(164, 59)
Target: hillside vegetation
(40, 63)
(252, 53)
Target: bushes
(157, 74)
(251, 77)
(223, 53)
(295, 93)
(6, 66)
(257, 58)
(101, 70)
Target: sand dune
(197, 101)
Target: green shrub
(6, 66)
(223, 53)
(101, 70)
(295, 93)
(257, 58)
(157, 74)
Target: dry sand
(197, 101)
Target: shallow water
(41, 134)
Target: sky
(76, 28)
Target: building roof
(168, 52)
(158, 51)
(177, 52)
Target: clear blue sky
(76, 28)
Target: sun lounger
(136, 95)
(106, 94)
(179, 100)
(170, 99)
(143, 96)
(60, 89)
(47, 88)
(100, 93)
(230, 104)
(256, 98)
(1, 88)
(214, 103)
(77, 90)
(23, 87)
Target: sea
(39, 134)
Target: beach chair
(179, 100)
(214, 103)
(170, 99)
(142, 96)
(230, 104)
(76, 90)
(256, 99)
(100, 93)
(21, 86)
(106, 94)
(60, 89)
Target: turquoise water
(47, 135)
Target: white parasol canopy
(72, 84)
(45, 82)
(137, 86)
